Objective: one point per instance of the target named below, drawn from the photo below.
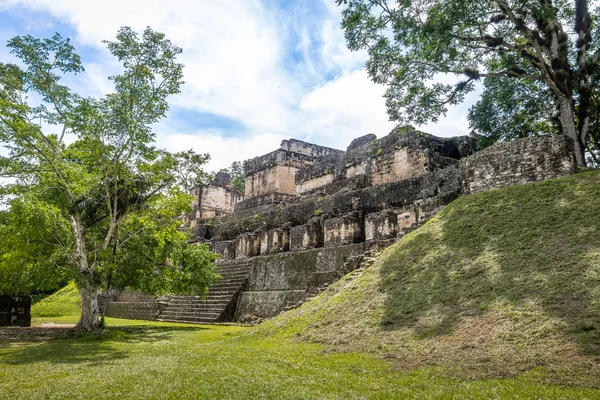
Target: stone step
(203, 306)
(229, 278)
(187, 321)
(210, 296)
(229, 292)
(233, 269)
(219, 296)
(222, 271)
(244, 275)
(208, 315)
(229, 272)
(226, 285)
(197, 303)
(219, 303)
(196, 308)
(211, 314)
(208, 299)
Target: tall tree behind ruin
(411, 42)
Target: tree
(238, 177)
(35, 243)
(190, 172)
(110, 174)
(510, 109)
(411, 42)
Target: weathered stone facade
(516, 162)
(275, 172)
(308, 208)
(213, 200)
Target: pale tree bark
(566, 116)
(88, 287)
(90, 310)
(583, 27)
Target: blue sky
(256, 72)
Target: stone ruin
(217, 198)
(307, 210)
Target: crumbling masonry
(307, 210)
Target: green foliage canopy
(547, 44)
(107, 195)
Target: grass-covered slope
(65, 302)
(499, 283)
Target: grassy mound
(65, 302)
(501, 283)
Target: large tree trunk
(90, 311)
(569, 128)
(88, 288)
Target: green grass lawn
(139, 360)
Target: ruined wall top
(221, 179)
(361, 143)
(369, 147)
(291, 152)
(308, 149)
(517, 161)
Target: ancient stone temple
(309, 212)
(213, 200)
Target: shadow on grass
(534, 249)
(96, 348)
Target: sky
(256, 71)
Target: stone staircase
(218, 306)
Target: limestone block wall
(144, 310)
(307, 236)
(225, 248)
(343, 230)
(215, 201)
(132, 305)
(277, 179)
(381, 225)
(275, 241)
(275, 172)
(516, 162)
(403, 163)
(283, 279)
(247, 245)
(309, 149)
(408, 218)
(371, 161)
(259, 204)
(433, 189)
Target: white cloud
(334, 51)
(231, 50)
(343, 109)
(235, 66)
(223, 150)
